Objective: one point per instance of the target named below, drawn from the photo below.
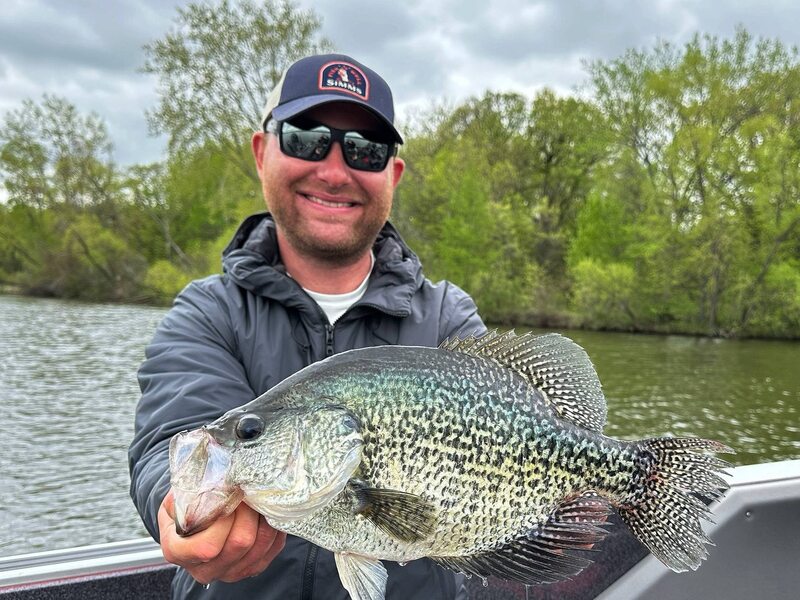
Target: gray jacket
(230, 338)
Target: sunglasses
(309, 140)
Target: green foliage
(204, 190)
(164, 280)
(26, 236)
(491, 197)
(92, 262)
(68, 255)
(50, 154)
(603, 230)
(459, 207)
(605, 294)
(217, 67)
(706, 139)
(777, 308)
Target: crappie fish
(485, 455)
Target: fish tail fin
(670, 495)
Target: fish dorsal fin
(542, 556)
(554, 364)
(404, 516)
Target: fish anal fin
(555, 365)
(405, 517)
(542, 556)
(364, 578)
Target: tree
(706, 158)
(460, 207)
(145, 185)
(63, 195)
(217, 67)
(604, 293)
(566, 141)
(179, 215)
(51, 155)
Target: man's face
(326, 210)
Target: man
(323, 273)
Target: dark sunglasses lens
(307, 144)
(312, 141)
(361, 153)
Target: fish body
(494, 467)
(486, 455)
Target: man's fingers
(274, 542)
(234, 547)
(277, 545)
(199, 548)
(268, 543)
(199, 553)
(241, 536)
(169, 504)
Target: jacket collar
(252, 261)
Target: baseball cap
(323, 78)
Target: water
(744, 393)
(68, 391)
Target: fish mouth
(199, 469)
(195, 512)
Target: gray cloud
(359, 31)
(88, 52)
(90, 34)
(430, 51)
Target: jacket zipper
(308, 572)
(311, 557)
(328, 340)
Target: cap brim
(295, 107)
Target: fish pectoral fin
(405, 517)
(364, 578)
(541, 556)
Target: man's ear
(398, 167)
(259, 146)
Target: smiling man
(328, 213)
(321, 273)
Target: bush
(603, 294)
(164, 280)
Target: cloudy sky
(89, 51)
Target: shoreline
(546, 323)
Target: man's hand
(235, 547)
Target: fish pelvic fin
(545, 554)
(670, 495)
(364, 578)
(555, 365)
(403, 516)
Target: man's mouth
(328, 203)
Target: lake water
(68, 392)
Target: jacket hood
(252, 261)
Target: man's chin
(329, 247)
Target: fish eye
(249, 427)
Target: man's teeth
(322, 202)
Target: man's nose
(333, 169)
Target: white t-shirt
(335, 305)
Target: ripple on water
(68, 388)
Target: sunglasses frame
(336, 135)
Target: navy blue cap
(324, 78)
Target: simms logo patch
(344, 77)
